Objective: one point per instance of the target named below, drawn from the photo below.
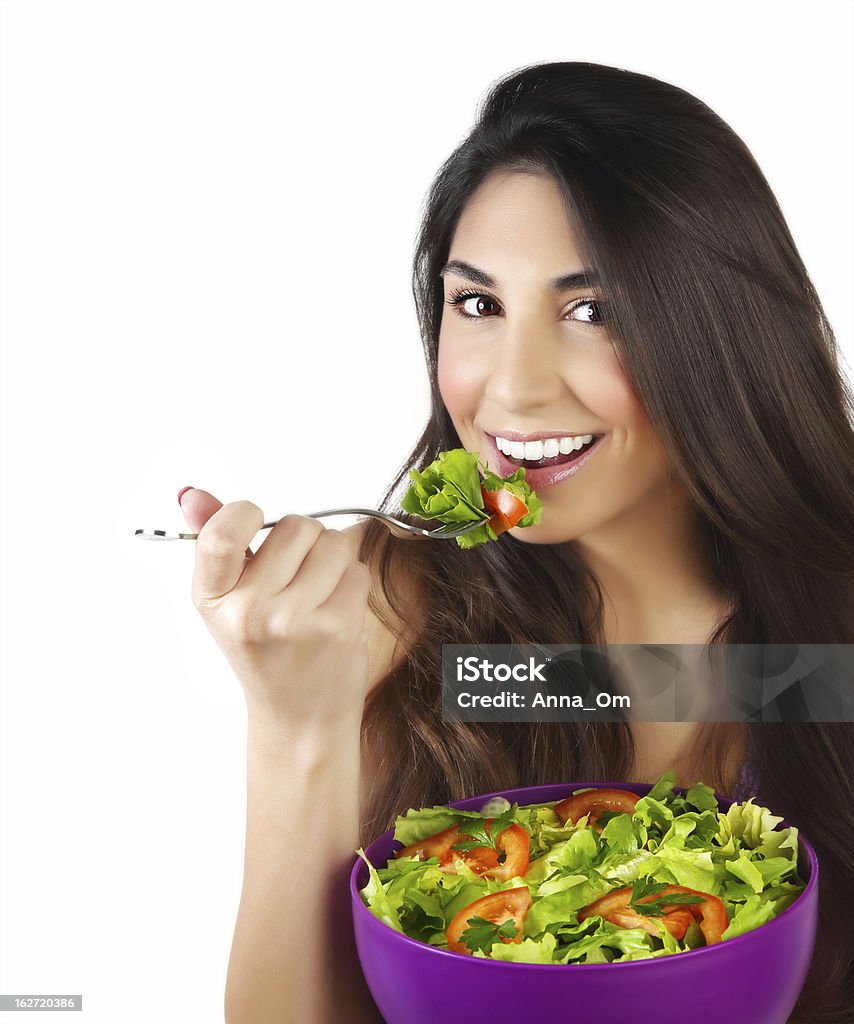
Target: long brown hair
(721, 332)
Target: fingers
(221, 545)
(301, 556)
(322, 569)
(198, 506)
(292, 620)
(315, 565)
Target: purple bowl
(753, 978)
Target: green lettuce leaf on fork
(450, 489)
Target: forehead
(516, 220)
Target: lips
(545, 472)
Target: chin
(541, 535)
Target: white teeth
(547, 448)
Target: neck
(656, 587)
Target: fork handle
(372, 512)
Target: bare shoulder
(387, 631)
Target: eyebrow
(577, 279)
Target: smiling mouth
(545, 462)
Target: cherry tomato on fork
(505, 507)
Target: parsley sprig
(560, 872)
(481, 934)
(480, 835)
(655, 908)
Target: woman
(716, 507)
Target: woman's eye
(476, 306)
(480, 304)
(590, 304)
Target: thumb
(197, 506)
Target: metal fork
(444, 532)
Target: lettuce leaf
(416, 825)
(528, 951)
(377, 898)
(449, 489)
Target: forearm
(293, 958)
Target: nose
(526, 372)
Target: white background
(208, 213)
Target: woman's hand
(290, 618)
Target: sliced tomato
(506, 508)
(436, 845)
(483, 860)
(497, 907)
(593, 802)
(513, 842)
(516, 845)
(676, 917)
(440, 845)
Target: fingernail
(182, 492)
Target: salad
(451, 490)
(602, 876)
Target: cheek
(458, 379)
(606, 391)
(623, 409)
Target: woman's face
(532, 365)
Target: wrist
(279, 741)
